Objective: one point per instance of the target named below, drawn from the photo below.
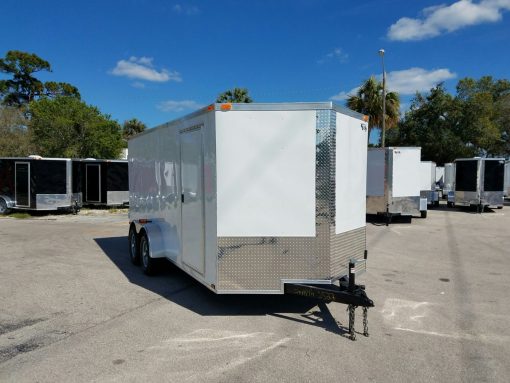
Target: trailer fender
(163, 239)
(10, 203)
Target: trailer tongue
(347, 292)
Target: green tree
(23, 87)
(235, 95)
(433, 124)
(14, 134)
(368, 100)
(67, 127)
(132, 127)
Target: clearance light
(365, 118)
(144, 221)
(226, 107)
(210, 107)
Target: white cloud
(186, 9)
(336, 54)
(178, 106)
(409, 81)
(344, 95)
(142, 68)
(448, 18)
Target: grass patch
(19, 215)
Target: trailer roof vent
(35, 157)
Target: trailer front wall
(262, 263)
(405, 175)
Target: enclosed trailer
(479, 182)
(254, 198)
(428, 182)
(102, 182)
(439, 177)
(449, 180)
(36, 183)
(507, 178)
(393, 182)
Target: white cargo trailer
(393, 182)
(507, 178)
(428, 183)
(439, 176)
(449, 180)
(255, 199)
(479, 182)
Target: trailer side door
(192, 198)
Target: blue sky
(157, 60)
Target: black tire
(500, 207)
(148, 263)
(134, 246)
(449, 204)
(423, 213)
(4, 210)
(436, 203)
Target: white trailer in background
(440, 177)
(428, 183)
(449, 180)
(507, 179)
(393, 182)
(479, 182)
(255, 199)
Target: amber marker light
(226, 107)
(365, 118)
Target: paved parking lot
(73, 308)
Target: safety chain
(352, 313)
(365, 321)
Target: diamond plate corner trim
(344, 247)
(260, 263)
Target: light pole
(383, 139)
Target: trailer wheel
(134, 246)
(3, 207)
(423, 213)
(449, 204)
(148, 263)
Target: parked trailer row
(50, 184)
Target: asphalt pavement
(74, 309)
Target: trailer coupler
(347, 292)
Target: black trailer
(479, 182)
(36, 183)
(102, 182)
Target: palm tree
(132, 127)
(236, 95)
(368, 100)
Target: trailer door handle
(182, 197)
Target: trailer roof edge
(276, 106)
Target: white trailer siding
(350, 173)
(427, 175)
(376, 170)
(266, 173)
(449, 176)
(406, 173)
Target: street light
(381, 53)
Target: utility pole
(383, 139)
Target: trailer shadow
(176, 286)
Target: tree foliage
(15, 140)
(67, 127)
(368, 100)
(132, 127)
(474, 122)
(23, 87)
(235, 95)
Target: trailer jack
(347, 292)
